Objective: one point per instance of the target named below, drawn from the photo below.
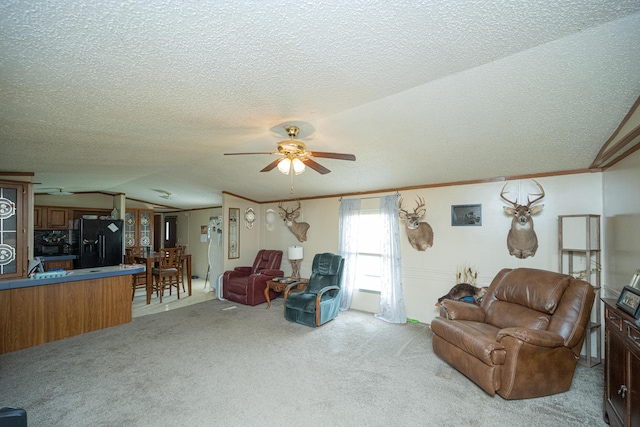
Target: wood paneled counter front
(37, 311)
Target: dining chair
(167, 274)
(181, 266)
(138, 280)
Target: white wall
(92, 200)
(322, 236)
(250, 242)
(188, 225)
(622, 222)
(430, 274)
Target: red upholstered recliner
(246, 285)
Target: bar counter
(45, 258)
(74, 276)
(37, 311)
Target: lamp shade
(298, 166)
(295, 252)
(271, 216)
(284, 166)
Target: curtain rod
(365, 198)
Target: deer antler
(514, 204)
(298, 208)
(419, 203)
(540, 195)
(406, 212)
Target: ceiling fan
(295, 157)
(58, 192)
(164, 194)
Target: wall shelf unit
(579, 254)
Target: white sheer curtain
(391, 297)
(348, 247)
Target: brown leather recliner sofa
(525, 337)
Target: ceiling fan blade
(315, 166)
(242, 154)
(53, 192)
(339, 156)
(271, 165)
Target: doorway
(158, 238)
(170, 231)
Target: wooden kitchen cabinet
(50, 218)
(58, 218)
(38, 217)
(621, 368)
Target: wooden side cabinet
(621, 367)
(138, 227)
(14, 216)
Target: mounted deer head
(420, 234)
(299, 229)
(522, 241)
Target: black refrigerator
(99, 242)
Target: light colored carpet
(224, 364)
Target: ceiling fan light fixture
(294, 157)
(298, 166)
(284, 166)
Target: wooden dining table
(151, 259)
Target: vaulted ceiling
(144, 97)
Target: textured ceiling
(140, 96)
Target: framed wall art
(466, 215)
(629, 301)
(234, 238)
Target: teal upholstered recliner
(319, 301)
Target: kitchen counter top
(37, 311)
(45, 258)
(74, 276)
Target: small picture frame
(466, 215)
(629, 301)
(635, 280)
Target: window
(369, 257)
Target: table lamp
(295, 256)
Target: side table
(280, 287)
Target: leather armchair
(245, 285)
(319, 301)
(524, 339)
